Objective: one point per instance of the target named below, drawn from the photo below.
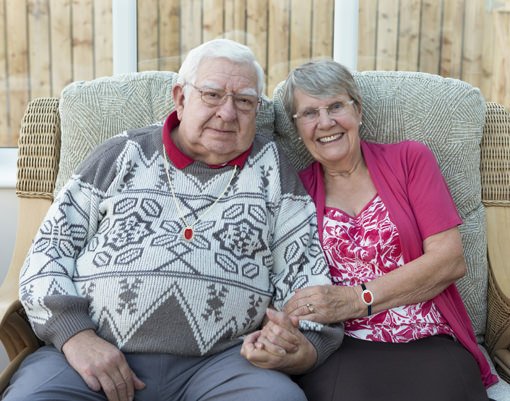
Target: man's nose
(227, 110)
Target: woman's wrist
(367, 297)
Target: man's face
(216, 134)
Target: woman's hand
(280, 345)
(102, 366)
(326, 303)
(417, 281)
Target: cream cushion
(93, 111)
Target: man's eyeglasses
(217, 97)
(335, 109)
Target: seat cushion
(93, 111)
(446, 114)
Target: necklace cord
(181, 214)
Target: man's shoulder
(264, 143)
(262, 139)
(269, 154)
(108, 151)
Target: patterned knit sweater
(110, 253)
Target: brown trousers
(431, 369)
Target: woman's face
(329, 128)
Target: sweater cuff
(326, 341)
(70, 316)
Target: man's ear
(178, 96)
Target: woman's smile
(331, 138)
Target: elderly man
(165, 250)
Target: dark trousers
(431, 369)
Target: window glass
(46, 44)
(462, 39)
(282, 34)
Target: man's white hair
(219, 48)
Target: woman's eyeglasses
(335, 109)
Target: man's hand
(280, 345)
(102, 366)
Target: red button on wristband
(367, 297)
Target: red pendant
(187, 233)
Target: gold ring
(310, 308)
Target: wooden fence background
(46, 44)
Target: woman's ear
(359, 110)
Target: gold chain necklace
(188, 231)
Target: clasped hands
(280, 345)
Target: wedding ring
(310, 308)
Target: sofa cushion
(446, 114)
(93, 111)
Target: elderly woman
(388, 227)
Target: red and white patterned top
(362, 248)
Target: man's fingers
(117, 387)
(139, 384)
(125, 382)
(271, 347)
(92, 382)
(110, 389)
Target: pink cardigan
(410, 183)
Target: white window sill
(8, 158)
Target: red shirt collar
(182, 160)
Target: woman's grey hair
(322, 79)
(219, 48)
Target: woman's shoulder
(405, 149)
(404, 145)
(311, 171)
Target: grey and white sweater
(110, 256)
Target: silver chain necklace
(188, 232)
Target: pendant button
(188, 233)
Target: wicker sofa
(470, 138)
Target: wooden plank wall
(282, 33)
(45, 44)
(464, 39)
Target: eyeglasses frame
(298, 116)
(223, 99)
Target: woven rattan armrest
(495, 176)
(38, 154)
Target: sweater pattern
(110, 253)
